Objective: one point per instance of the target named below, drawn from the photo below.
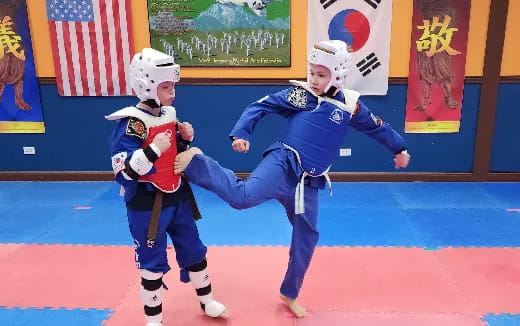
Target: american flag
(92, 46)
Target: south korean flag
(365, 26)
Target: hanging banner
(20, 106)
(365, 26)
(222, 33)
(437, 65)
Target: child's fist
(186, 130)
(402, 159)
(240, 145)
(162, 141)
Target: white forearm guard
(140, 163)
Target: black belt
(193, 203)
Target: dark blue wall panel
(76, 137)
(506, 142)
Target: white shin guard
(199, 278)
(151, 296)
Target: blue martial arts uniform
(176, 218)
(316, 127)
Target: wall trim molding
(274, 81)
(496, 32)
(335, 176)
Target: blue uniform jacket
(285, 104)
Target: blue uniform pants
(274, 178)
(176, 222)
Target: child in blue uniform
(144, 145)
(319, 113)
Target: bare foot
(183, 159)
(295, 307)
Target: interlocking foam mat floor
(389, 254)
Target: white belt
(299, 194)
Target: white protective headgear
(150, 68)
(334, 55)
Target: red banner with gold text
(437, 65)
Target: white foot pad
(215, 309)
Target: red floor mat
(356, 286)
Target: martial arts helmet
(334, 55)
(150, 68)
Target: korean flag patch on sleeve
(136, 127)
(118, 162)
(297, 97)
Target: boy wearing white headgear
(319, 113)
(145, 142)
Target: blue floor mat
(432, 195)
(367, 227)
(502, 320)
(52, 317)
(467, 227)
(506, 193)
(402, 214)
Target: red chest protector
(164, 178)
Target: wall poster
(222, 33)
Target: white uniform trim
(168, 114)
(351, 99)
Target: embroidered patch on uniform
(136, 127)
(118, 162)
(376, 119)
(297, 97)
(337, 116)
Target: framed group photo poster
(222, 33)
